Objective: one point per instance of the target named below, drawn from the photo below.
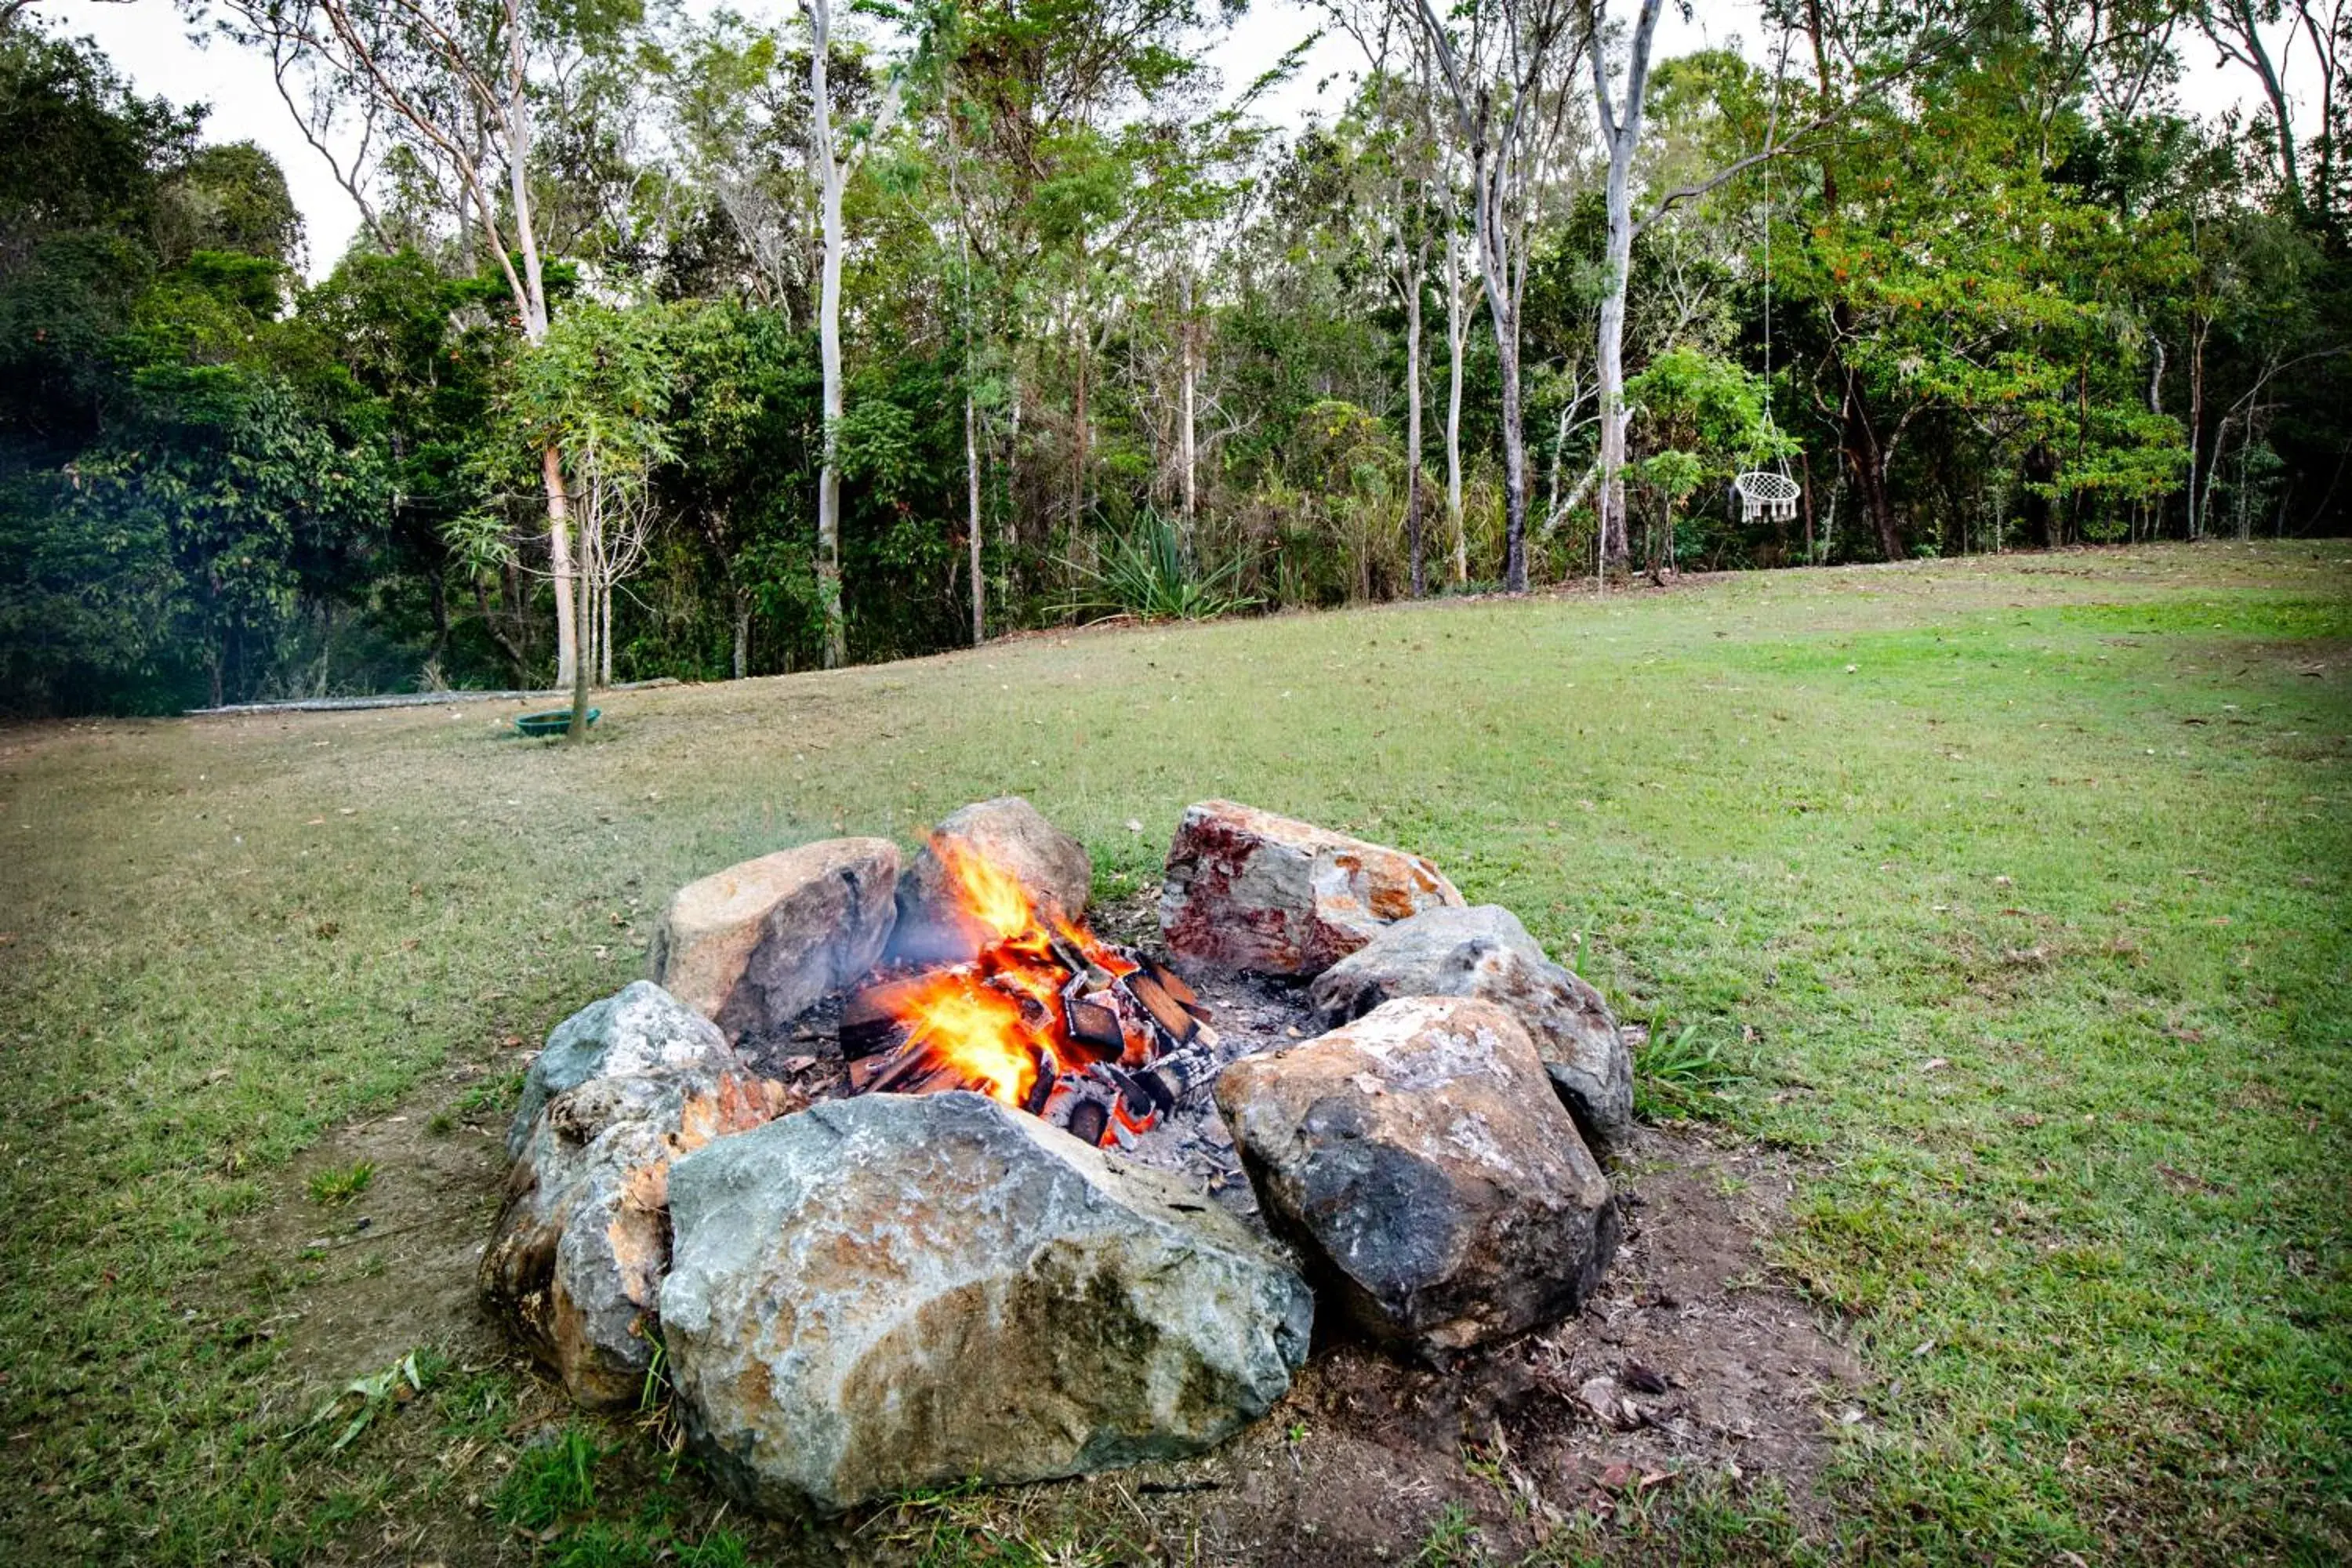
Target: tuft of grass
(342, 1185)
(491, 1097)
(1683, 1075)
(552, 1482)
(1451, 1541)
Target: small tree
(597, 388)
(1699, 419)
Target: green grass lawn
(2018, 890)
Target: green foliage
(170, 566)
(1148, 573)
(341, 1186)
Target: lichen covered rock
(1419, 1161)
(575, 1264)
(640, 1031)
(1485, 952)
(892, 1292)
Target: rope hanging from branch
(1768, 495)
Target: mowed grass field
(2015, 890)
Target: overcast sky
(150, 43)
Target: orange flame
(987, 891)
(978, 1031)
(997, 1022)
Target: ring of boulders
(863, 1296)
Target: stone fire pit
(917, 1179)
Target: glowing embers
(1048, 1017)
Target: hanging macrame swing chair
(1768, 495)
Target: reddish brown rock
(754, 946)
(1421, 1163)
(1248, 890)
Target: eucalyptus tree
(453, 85)
(1621, 111)
(1403, 154)
(1083, 153)
(1506, 71)
(737, 109)
(2261, 36)
(833, 166)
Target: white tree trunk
(1621, 135)
(828, 492)
(1614, 546)
(1457, 333)
(1187, 452)
(971, 481)
(531, 308)
(1413, 529)
(1503, 313)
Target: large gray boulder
(756, 945)
(900, 1292)
(1009, 834)
(1485, 952)
(1420, 1161)
(642, 1030)
(574, 1263)
(1247, 889)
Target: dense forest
(700, 344)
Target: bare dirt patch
(365, 1282)
(1709, 1373)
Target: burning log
(1173, 1020)
(871, 1019)
(1048, 1017)
(1094, 1025)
